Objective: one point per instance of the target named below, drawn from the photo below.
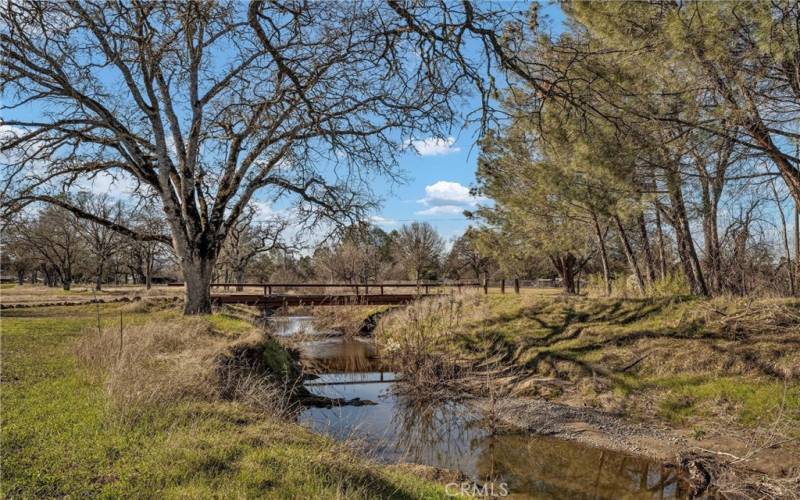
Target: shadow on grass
(559, 323)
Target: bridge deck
(275, 301)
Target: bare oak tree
(204, 106)
(419, 248)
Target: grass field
(64, 436)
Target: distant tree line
(51, 245)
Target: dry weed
(161, 363)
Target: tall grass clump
(417, 341)
(352, 319)
(624, 286)
(161, 363)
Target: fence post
(381, 289)
(426, 289)
(516, 285)
(270, 289)
(485, 284)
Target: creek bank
(616, 374)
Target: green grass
(692, 358)
(62, 437)
(753, 401)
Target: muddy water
(452, 436)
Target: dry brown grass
(38, 294)
(350, 320)
(419, 342)
(166, 361)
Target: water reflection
(340, 355)
(288, 326)
(453, 435)
(544, 467)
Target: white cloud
(442, 210)
(445, 197)
(119, 185)
(382, 221)
(433, 146)
(264, 210)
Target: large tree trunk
(21, 277)
(197, 275)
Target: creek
(451, 435)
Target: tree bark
(626, 246)
(797, 242)
(785, 238)
(565, 267)
(240, 277)
(712, 251)
(683, 235)
(662, 253)
(148, 278)
(98, 284)
(601, 243)
(197, 275)
(648, 254)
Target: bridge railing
(358, 288)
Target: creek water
(452, 435)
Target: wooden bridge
(333, 294)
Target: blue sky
(439, 177)
(439, 174)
